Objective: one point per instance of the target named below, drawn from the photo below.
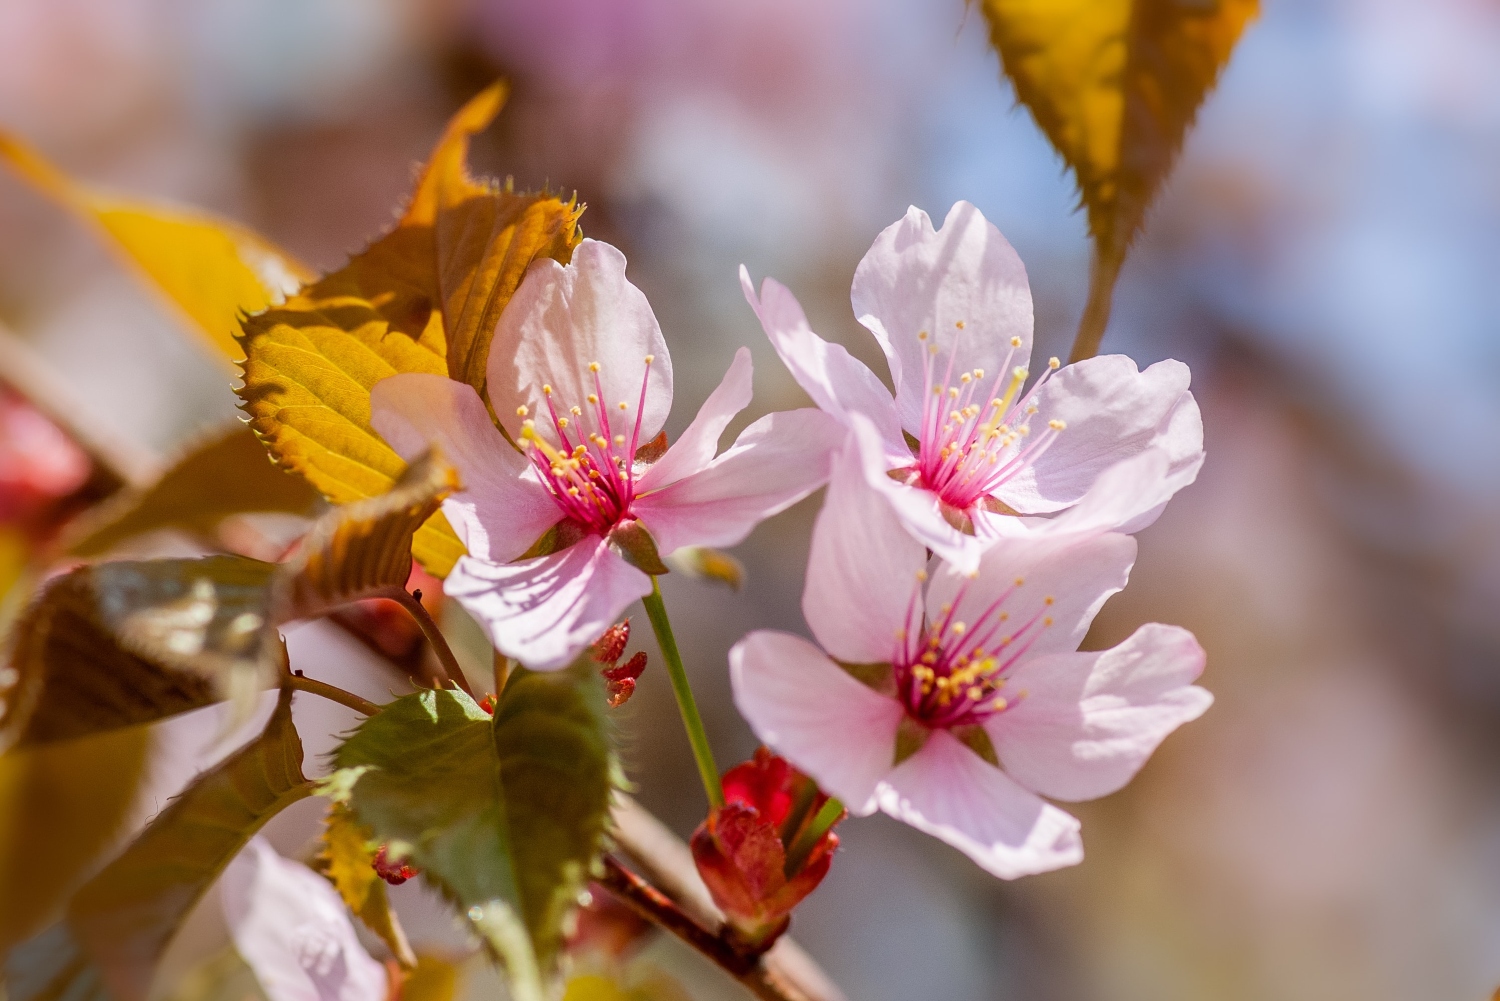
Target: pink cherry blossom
(955, 704)
(581, 381)
(971, 444)
(289, 924)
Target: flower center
(949, 672)
(968, 448)
(590, 472)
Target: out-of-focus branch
(785, 973)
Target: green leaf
(212, 269)
(347, 859)
(423, 298)
(51, 966)
(1114, 84)
(60, 806)
(121, 643)
(506, 815)
(125, 916)
(365, 548)
(227, 473)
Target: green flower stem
(662, 626)
(413, 605)
(796, 856)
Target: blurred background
(1324, 257)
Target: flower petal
(561, 319)
(502, 509)
(1089, 721)
(862, 571)
(1127, 497)
(545, 611)
(696, 448)
(1064, 580)
(290, 926)
(774, 463)
(948, 791)
(914, 279)
(1112, 412)
(811, 712)
(837, 381)
(917, 508)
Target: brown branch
(786, 973)
(656, 907)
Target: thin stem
(502, 672)
(452, 672)
(707, 770)
(302, 683)
(826, 817)
(1102, 275)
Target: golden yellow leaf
(434, 979)
(60, 805)
(423, 298)
(212, 269)
(226, 473)
(346, 859)
(1114, 84)
(363, 549)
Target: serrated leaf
(60, 805)
(347, 859)
(227, 473)
(423, 298)
(506, 815)
(364, 549)
(126, 915)
(116, 644)
(1115, 84)
(212, 269)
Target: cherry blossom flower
(955, 704)
(293, 930)
(581, 381)
(971, 444)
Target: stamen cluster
(967, 449)
(591, 471)
(949, 672)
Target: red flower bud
(766, 848)
(394, 873)
(620, 681)
(608, 648)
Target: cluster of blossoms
(975, 521)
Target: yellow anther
(619, 439)
(929, 657)
(979, 373)
(953, 392)
(1053, 363)
(593, 366)
(572, 491)
(1057, 425)
(650, 359)
(562, 422)
(976, 693)
(959, 628)
(593, 399)
(521, 411)
(1050, 600)
(999, 705)
(1004, 616)
(921, 575)
(1047, 621)
(966, 378)
(1024, 430)
(1020, 581)
(1015, 342)
(947, 608)
(547, 390)
(921, 335)
(959, 324)
(624, 405)
(579, 451)
(900, 634)
(576, 411)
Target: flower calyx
(766, 849)
(619, 679)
